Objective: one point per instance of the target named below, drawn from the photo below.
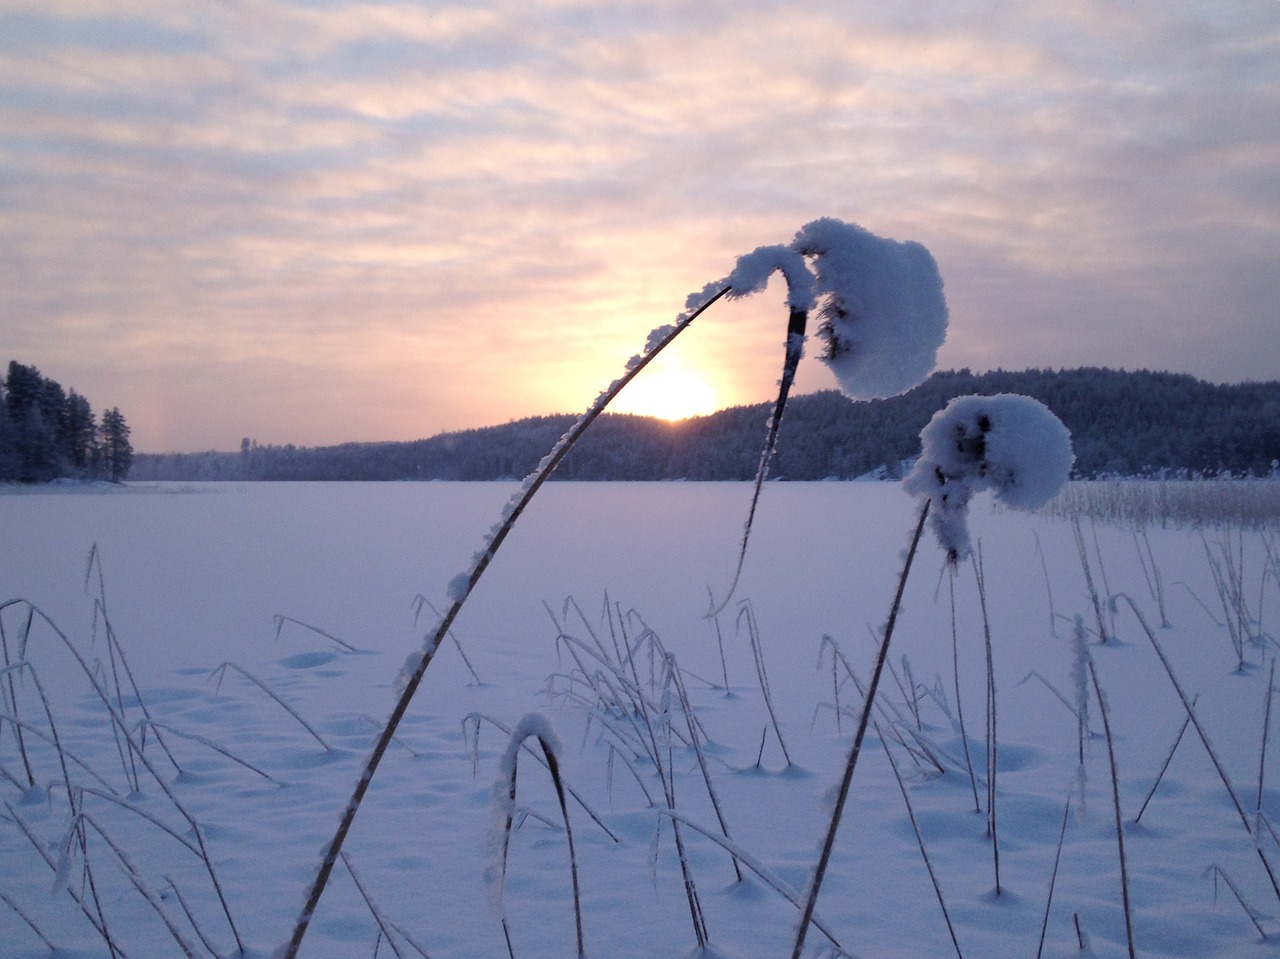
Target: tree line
(1122, 423)
(49, 433)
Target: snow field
(195, 577)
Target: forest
(1123, 423)
(49, 433)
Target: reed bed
(1242, 504)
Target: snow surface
(276, 578)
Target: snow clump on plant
(882, 309)
(880, 302)
(1010, 444)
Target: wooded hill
(1122, 424)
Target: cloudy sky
(322, 221)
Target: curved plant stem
(829, 842)
(795, 349)
(414, 678)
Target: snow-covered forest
(1133, 423)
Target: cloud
(363, 221)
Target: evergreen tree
(79, 433)
(117, 453)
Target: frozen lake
(279, 579)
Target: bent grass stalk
(771, 879)
(341, 644)
(924, 851)
(1053, 876)
(414, 678)
(828, 843)
(373, 908)
(1204, 739)
(419, 602)
(221, 672)
(795, 349)
(1217, 872)
(524, 732)
(1165, 765)
(28, 920)
(748, 613)
(472, 721)
(10, 698)
(1115, 800)
(687, 709)
(83, 819)
(119, 726)
(993, 755)
(98, 923)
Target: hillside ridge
(1123, 423)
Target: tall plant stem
(1208, 747)
(1115, 799)
(855, 750)
(993, 741)
(414, 679)
(795, 349)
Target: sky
(319, 222)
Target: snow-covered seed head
(882, 308)
(880, 302)
(1010, 444)
(752, 271)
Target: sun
(671, 393)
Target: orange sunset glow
(321, 223)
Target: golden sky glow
(315, 223)
(673, 394)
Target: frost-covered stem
(1088, 578)
(1218, 871)
(993, 754)
(53, 728)
(1115, 801)
(796, 324)
(221, 671)
(281, 620)
(186, 910)
(1053, 876)
(420, 601)
(132, 873)
(118, 722)
(115, 682)
(11, 697)
(40, 847)
(373, 907)
(414, 678)
(1167, 760)
(1048, 587)
(1266, 729)
(955, 670)
(741, 855)
(668, 777)
(754, 636)
(724, 666)
(924, 851)
(1208, 747)
(27, 919)
(473, 720)
(532, 726)
(687, 709)
(842, 795)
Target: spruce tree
(117, 453)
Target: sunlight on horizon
(671, 394)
